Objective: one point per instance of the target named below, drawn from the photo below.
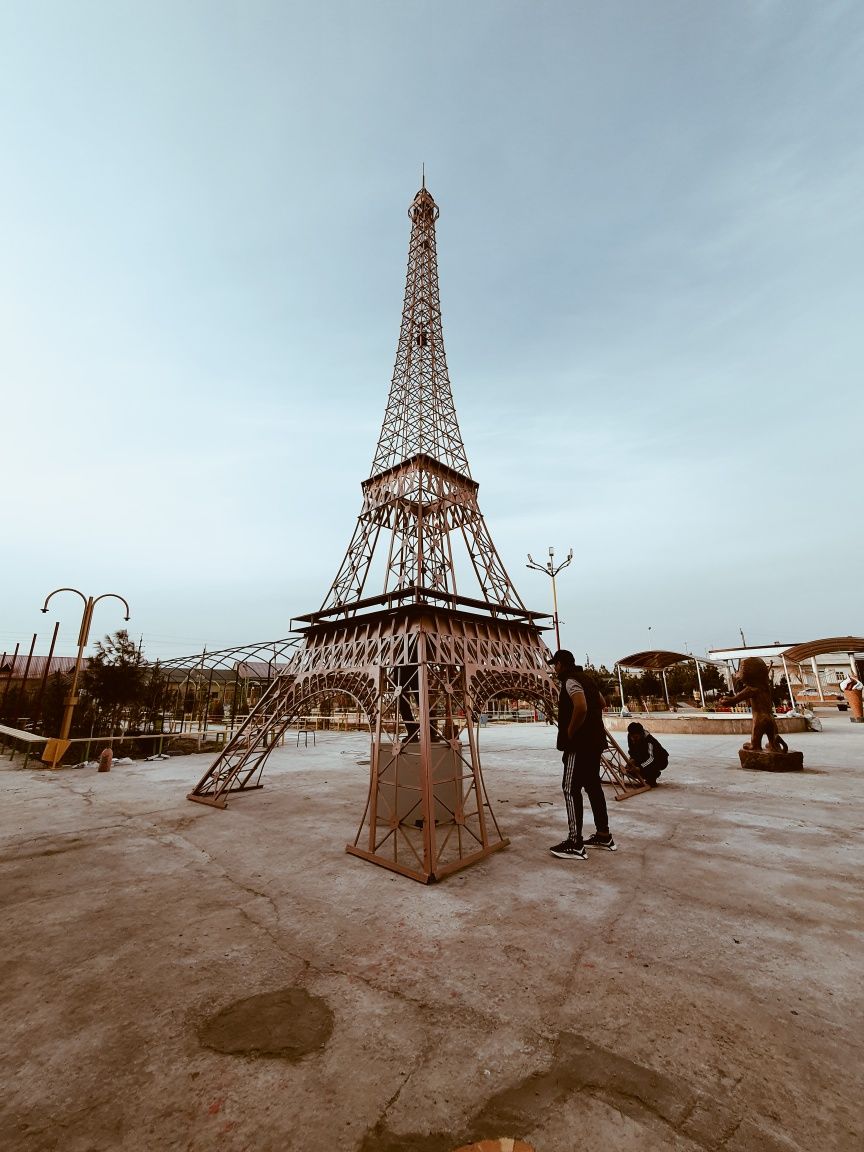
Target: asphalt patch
(289, 1023)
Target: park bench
(21, 741)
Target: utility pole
(551, 570)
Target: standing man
(581, 739)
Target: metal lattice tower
(420, 494)
(420, 657)
(420, 415)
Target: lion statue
(754, 688)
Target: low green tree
(153, 703)
(114, 680)
(682, 680)
(56, 690)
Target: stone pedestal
(767, 761)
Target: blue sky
(651, 254)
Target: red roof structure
(14, 666)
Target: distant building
(14, 669)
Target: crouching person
(646, 751)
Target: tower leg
(428, 814)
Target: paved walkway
(699, 989)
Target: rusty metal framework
(267, 657)
(420, 493)
(420, 657)
(617, 769)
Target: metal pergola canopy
(657, 660)
(274, 654)
(830, 644)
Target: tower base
(427, 877)
(423, 676)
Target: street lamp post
(551, 570)
(83, 635)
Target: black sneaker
(598, 841)
(569, 850)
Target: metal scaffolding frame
(235, 669)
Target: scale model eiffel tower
(421, 659)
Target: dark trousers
(582, 770)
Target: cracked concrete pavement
(698, 989)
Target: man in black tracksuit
(581, 739)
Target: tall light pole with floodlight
(83, 635)
(552, 570)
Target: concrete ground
(698, 989)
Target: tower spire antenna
(423, 173)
